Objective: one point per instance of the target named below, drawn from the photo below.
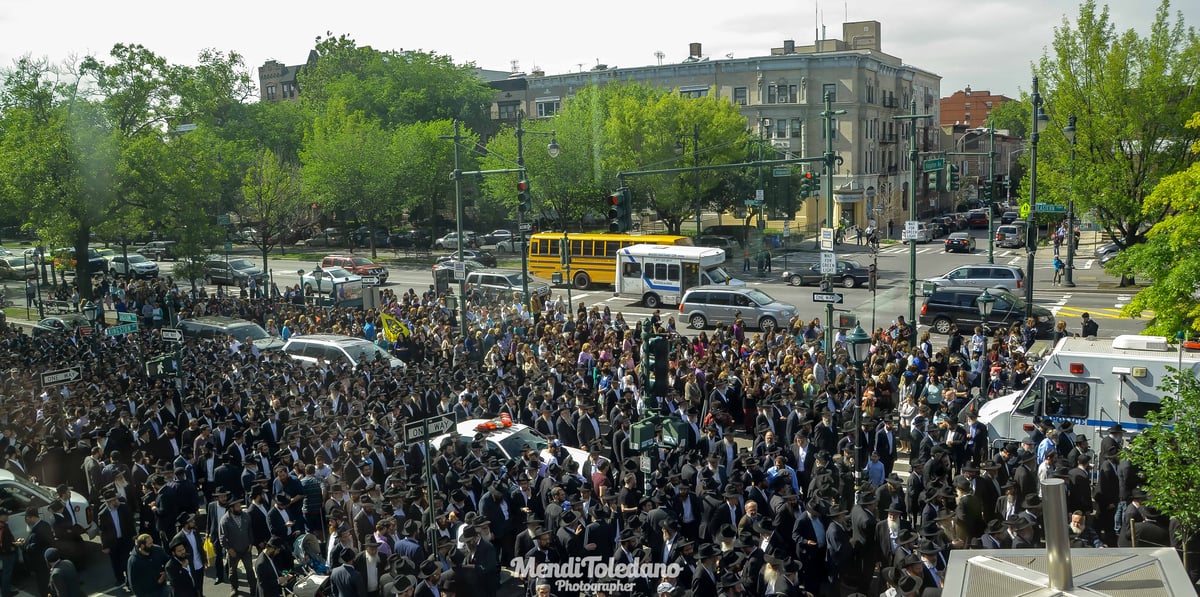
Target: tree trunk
(1126, 281)
(83, 273)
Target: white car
(18, 492)
(512, 245)
(450, 241)
(326, 279)
(506, 441)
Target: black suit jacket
(108, 529)
(345, 581)
(268, 581)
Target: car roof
(218, 320)
(330, 339)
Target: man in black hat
(197, 559)
(371, 567)
(838, 549)
(344, 580)
(704, 579)
(1107, 493)
(863, 541)
(40, 538)
(429, 574)
(271, 580)
(179, 572)
(116, 533)
(215, 511)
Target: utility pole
(830, 160)
(696, 164)
(1038, 118)
(458, 208)
(521, 205)
(991, 190)
(912, 206)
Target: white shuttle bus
(659, 274)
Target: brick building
(969, 107)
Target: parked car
(408, 239)
(513, 245)
(450, 241)
(357, 264)
(731, 245)
(17, 268)
(849, 274)
(949, 305)
(132, 266)
(329, 237)
(495, 236)
(231, 272)
(243, 330)
(936, 230)
(18, 493)
(363, 239)
(494, 282)
(946, 223)
(924, 233)
(64, 260)
(326, 279)
(703, 305)
(159, 250)
(1008, 277)
(484, 257)
(960, 242)
(61, 324)
(313, 349)
(1009, 217)
(505, 441)
(1107, 249)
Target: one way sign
(827, 297)
(62, 376)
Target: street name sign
(370, 280)
(62, 376)
(415, 431)
(172, 334)
(781, 172)
(1050, 208)
(827, 297)
(127, 317)
(933, 165)
(526, 227)
(120, 330)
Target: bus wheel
(651, 301)
(581, 280)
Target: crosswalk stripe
(1100, 312)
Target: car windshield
(759, 296)
(93, 254)
(337, 272)
(16, 261)
(362, 261)
(718, 275)
(241, 264)
(247, 332)
(851, 264)
(959, 235)
(514, 444)
(365, 352)
(1017, 303)
(514, 279)
(28, 484)
(137, 259)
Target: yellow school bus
(593, 255)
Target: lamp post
(1069, 132)
(859, 343)
(553, 150)
(985, 303)
(1040, 120)
(89, 311)
(300, 276)
(40, 255)
(991, 130)
(764, 127)
(458, 219)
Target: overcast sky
(987, 44)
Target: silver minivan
(1010, 236)
(703, 305)
(332, 348)
(983, 275)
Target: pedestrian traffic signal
(953, 177)
(620, 211)
(816, 183)
(657, 365)
(523, 202)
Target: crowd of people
(253, 470)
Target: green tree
(1168, 454)
(423, 163)
(349, 166)
(1132, 96)
(273, 201)
(1168, 257)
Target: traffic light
(953, 177)
(940, 181)
(523, 202)
(620, 211)
(806, 185)
(816, 183)
(657, 366)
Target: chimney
(789, 46)
(1058, 542)
(694, 50)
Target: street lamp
(985, 303)
(859, 344)
(1040, 120)
(300, 276)
(89, 311)
(763, 128)
(1069, 133)
(552, 150)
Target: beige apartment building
(781, 95)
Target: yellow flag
(392, 328)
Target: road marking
(1015, 261)
(1088, 265)
(1104, 313)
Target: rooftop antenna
(580, 65)
(660, 55)
(846, 6)
(515, 65)
(816, 21)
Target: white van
(660, 274)
(1094, 384)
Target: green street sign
(781, 172)
(120, 330)
(933, 165)
(223, 220)
(130, 317)
(1049, 208)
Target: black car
(61, 324)
(243, 330)
(849, 274)
(410, 239)
(948, 305)
(1009, 217)
(484, 257)
(960, 242)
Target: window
(967, 106)
(829, 89)
(610, 249)
(693, 92)
(1067, 399)
(740, 96)
(270, 92)
(554, 250)
(576, 247)
(771, 97)
(833, 123)
(508, 110)
(783, 93)
(548, 107)
(781, 129)
(631, 270)
(289, 90)
(796, 127)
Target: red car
(359, 265)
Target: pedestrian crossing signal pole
(913, 166)
(831, 161)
